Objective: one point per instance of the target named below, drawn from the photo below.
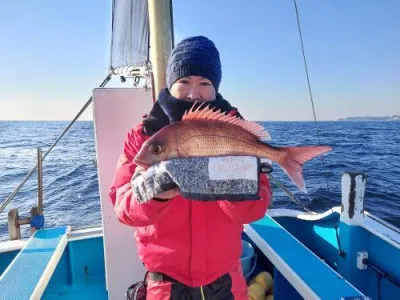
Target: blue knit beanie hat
(194, 56)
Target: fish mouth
(140, 163)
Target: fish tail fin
(294, 159)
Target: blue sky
(55, 52)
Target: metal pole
(40, 182)
(160, 40)
(105, 81)
(5, 203)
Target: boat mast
(161, 40)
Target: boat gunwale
(286, 270)
(74, 235)
(373, 224)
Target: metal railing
(14, 221)
(40, 182)
(42, 157)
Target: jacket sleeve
(247, 211)
(128, 210)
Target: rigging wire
(314, 114)
(309, 90)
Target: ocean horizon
(71, 195)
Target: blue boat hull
(80, 273)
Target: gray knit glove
(155, 180)
(231, 178)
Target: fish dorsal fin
(207, 113)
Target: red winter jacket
(194, 242)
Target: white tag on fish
(233, 167)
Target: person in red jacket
(190, 248)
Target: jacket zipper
(191, 244)
(202, 293)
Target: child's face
(193, 88)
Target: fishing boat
(343, 253)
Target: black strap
(156, 276)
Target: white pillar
(353, 190)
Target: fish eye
(156, 149)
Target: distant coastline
(385, 118)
